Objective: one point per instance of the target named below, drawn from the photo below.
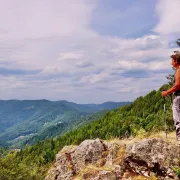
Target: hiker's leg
(176, 115)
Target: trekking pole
(165, 117)
(171, 99)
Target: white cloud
(94, 78)
(70, 55)
(142, 43)
(169, 21)
(125, 90)
(84, 63)
(37, 19)
(74, 62)
(135, 65)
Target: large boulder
(152, 155)
(97, 159)
(88, 152)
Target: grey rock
(152, 155)
(113, 161)
(105, 175)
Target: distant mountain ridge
(24, 119)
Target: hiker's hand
(164, 93)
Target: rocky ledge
(101, 160)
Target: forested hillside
(59, 129)
(33, 120)
(144, 114)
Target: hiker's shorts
(176, 115)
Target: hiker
(176, 90)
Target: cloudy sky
(86, 51)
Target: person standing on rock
(176, 90)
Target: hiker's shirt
(176, 88)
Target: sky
(86, 51)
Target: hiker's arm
(177, 84)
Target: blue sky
(127, 19)
(86, 51)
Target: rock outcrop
(101, 160)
